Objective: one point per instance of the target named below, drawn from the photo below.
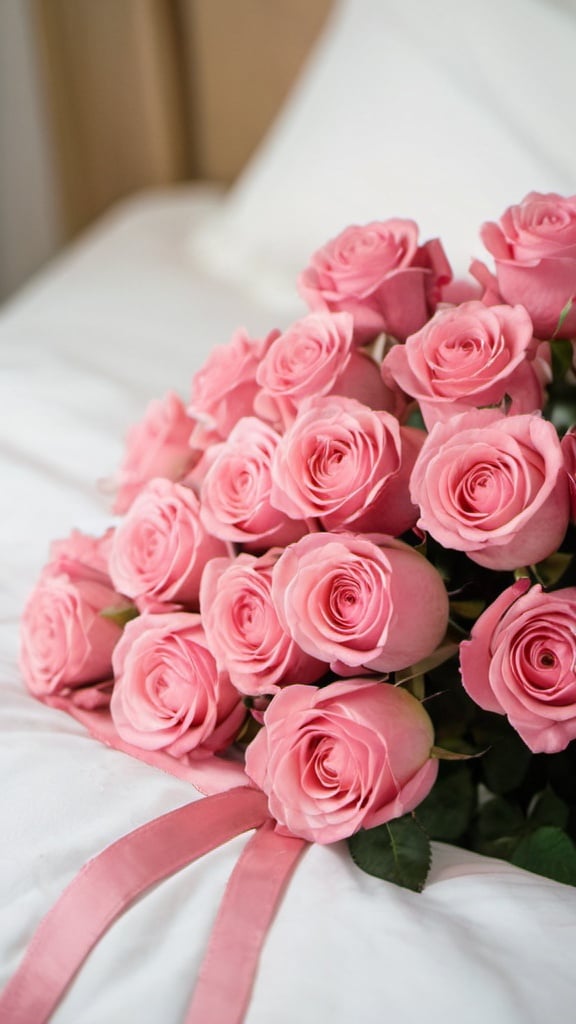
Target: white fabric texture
(444, 112)
(119, 319)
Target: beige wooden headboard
(150, 92)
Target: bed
(128, 312)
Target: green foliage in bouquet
(496, 797)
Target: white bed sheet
(122, 317)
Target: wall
(29, 211)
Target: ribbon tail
(109, 883)
(253, 892)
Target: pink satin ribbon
(209, 774)
(255, 888)
(111, 881)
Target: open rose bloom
(379, 274)
(520, 661)
(352, 755)
(534, 250)
(351, 558)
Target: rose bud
(534, 249)
(243, 630)
(351, 755)
(351, 602)
(520, 660)
(169, 694)
(223, 391)
(235, 492)
(161, 547)
(315, 357)
(347, 466)
(157, 446)
(379, 275)
(467, 357)
(493, 486)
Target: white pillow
(446, 112)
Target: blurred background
(103, 98)
(445, 111)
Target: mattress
(122, 317)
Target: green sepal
(562, 318)
(547, 851)
(412, 678)
(523, 573)
(444, 754)
(468, 609)
(397, 852)
(552, 569)
(248, 731)
(120, 614)
(416, 685)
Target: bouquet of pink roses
(344, 573)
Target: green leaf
(397, 852)
(499, 817)
(549, 809)
(506, 763)
(446, 812)
(548, 851)
(451, 709)
(498, 827)
(120, 614)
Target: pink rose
(81, 556)
(468, 356)
(351, 602)
(352, 755)
(65, 640)
(520, 662)
(235, 491)
(224, 389)
(157, 446)
(161, 547)
(243, 630)
(169, 694)
(534, 248)
(379, 275)
(494, 487)
(348, 466)
(315, 357)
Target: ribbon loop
(109, 883)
